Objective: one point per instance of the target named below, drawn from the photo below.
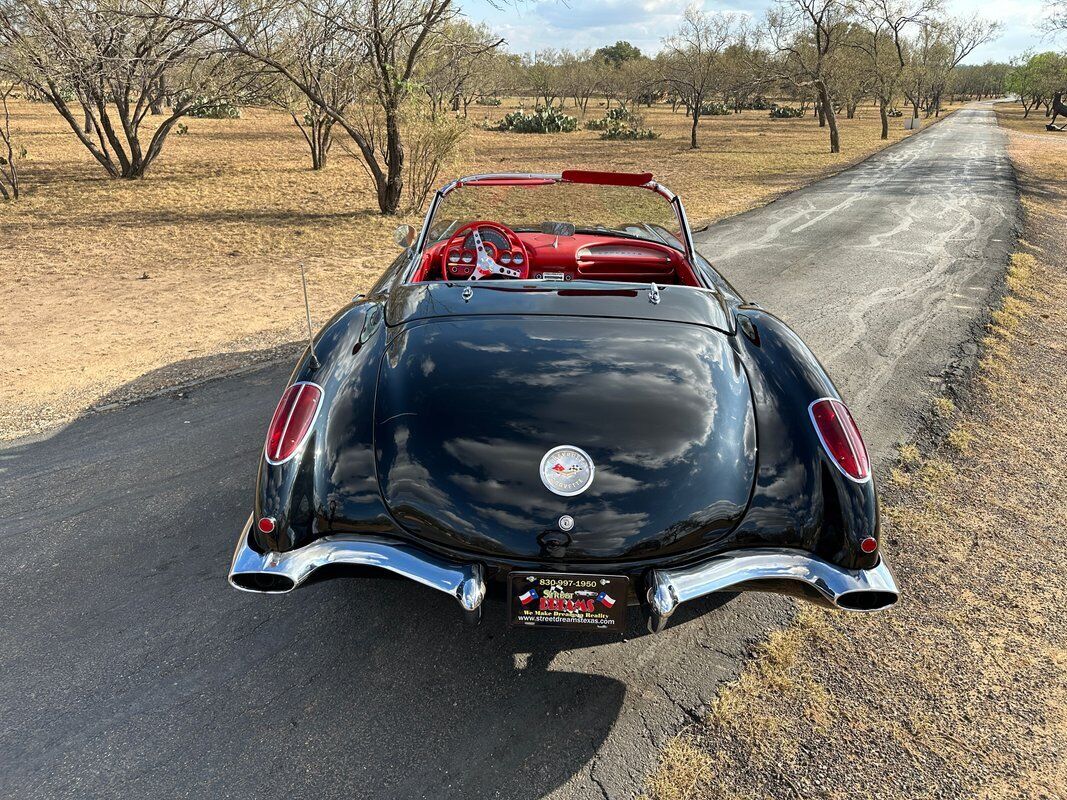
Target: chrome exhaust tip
(263, 582)
(281, 573)
(782, 571)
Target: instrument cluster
(461, 260)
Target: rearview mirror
(404, 236)
(558, 228)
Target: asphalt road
(131, 670)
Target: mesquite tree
(10, 153)
(807, 36)
(880, 37)
(691, 64)
(104, 65)
(934, 50)
(318, 51)
(388, 39)
(455, 73)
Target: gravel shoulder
(961, 690)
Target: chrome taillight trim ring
(311, 424)
(826, 448)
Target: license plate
(567, 600)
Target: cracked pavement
(132, 670)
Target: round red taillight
(840, 437)
(869, 545)
(266, 525)
(292, 421)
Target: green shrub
(621, 125)
(785, 112)
(488, 101)
(542, 120)
(214, 108)
(620, 132)
(715, 110)
(617, 115)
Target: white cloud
(578, 24)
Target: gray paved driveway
(131, 670)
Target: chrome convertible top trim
(774, 570)
(280, 573)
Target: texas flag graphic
(605, 599)
(528, 597)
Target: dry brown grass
(1010, 115)
(961, 690)
(228, 211)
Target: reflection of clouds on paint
(663, 410)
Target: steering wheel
(486, 260)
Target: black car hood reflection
(467, 407)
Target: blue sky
(578, 24)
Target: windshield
(630, 211)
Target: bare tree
(807, 36)
(1057, 14)
(936, 48)
(10, 153)
(691, 63)
(880, 38)
(744, 74)
(388, 39)
(545, 76)
(102, 66)
(452, 76)
(314, 48)
(582, 76)
(631, 81)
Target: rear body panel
(466, 408)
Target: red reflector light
(840, 437)
(266, 525)
(869, 545)
(292, 421)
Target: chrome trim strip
(745, 569)
(464, 582)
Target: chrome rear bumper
(775, 570)
(279, 573)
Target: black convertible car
(551, 397)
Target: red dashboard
(579, 257)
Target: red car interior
(583, 256)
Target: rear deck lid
(468, 407)
(436, 299)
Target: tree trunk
(831, 118)
(693, 130)
(390, 188)
(156, 105)
(821, 111)
(88, 127)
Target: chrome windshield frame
(419, 246)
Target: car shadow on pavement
(133, 669)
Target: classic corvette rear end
(610, 426)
